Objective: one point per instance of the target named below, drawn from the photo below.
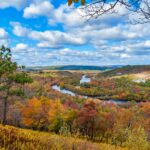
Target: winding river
(64, 91)
(85, 79)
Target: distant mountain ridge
(73, 67)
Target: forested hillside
(127, 70)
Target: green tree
(22, 78)
(7, 68)
(9, 74)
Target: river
(85, 79)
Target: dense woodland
(27, 100)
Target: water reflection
(64, 91)
(85, 79)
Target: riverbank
(70, 90)
(65, 91)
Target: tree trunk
(4, 121)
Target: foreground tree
(35, 113)
(7, 69)
(86, 119)
(8, 77)
(96, 8)
(137, 139)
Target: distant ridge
(72, 67)
(129, 69)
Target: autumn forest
(96, 109)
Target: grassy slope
(12, 138)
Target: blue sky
(46, 32)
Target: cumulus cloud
(3, 37)
(112, 40)
(56, 39)
(18, 30)
(20, 47)
(128, 41)
(40, 8)
(62, 14)
(3, 33)
(77, 30)
(12, 3)
(48, 39)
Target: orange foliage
(35, 112)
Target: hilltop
(127, 70)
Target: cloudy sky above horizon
(46, 32)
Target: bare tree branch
(140, 9)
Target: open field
(135, 76)
(143, 75)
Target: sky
(49, 33)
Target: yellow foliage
(12, 138)
(35, 110)
(56, 109)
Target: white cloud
(62, 14)
(18, 30)
(12, 3)
(147, 43)
(20, 47)
(42, 8)
(3, 42)
(3, 37)
(125, 55)
(48, 39)
(68, 16)
(111, 38)
(3, 33)
(56, 38)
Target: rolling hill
(71, 67)
(127, 70)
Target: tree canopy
(9, 74)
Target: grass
(12, 138)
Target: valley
(81, 103)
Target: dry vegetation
(12, 138)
